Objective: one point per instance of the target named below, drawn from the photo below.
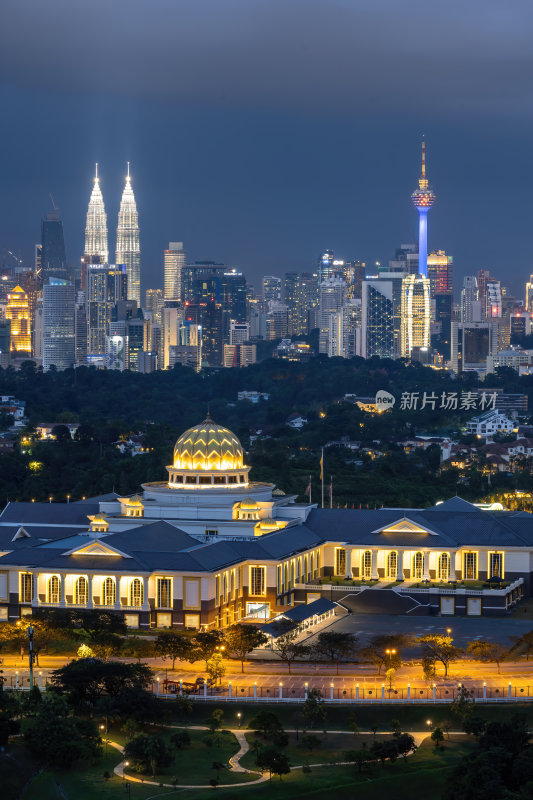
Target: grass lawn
(411, 717)
(332, 747)
(423, 774)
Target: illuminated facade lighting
(423, 198)
(96, 224)
(18, 312)
(416, 314)
(128, 248)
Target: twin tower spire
(128, 249)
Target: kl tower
(423, 198)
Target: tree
(273, 760)
(437, 736)
(359, 757)
(463, 705)
(439, 647)
(267, 726)
(56, 737)
(336, 646)
(242, 639)
(353, 723)
(205, 645)
(148, 751)
(286, 646)
(215, 720)
(376, 650)
(314, 709)
(405, 744)
(174, 646)
(9, 712)
(310, 741)
(215, 667)
(384, 751)
(484, 650)
(180, 740)
(138, 648)
(85, 680)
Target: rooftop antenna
(53, 202)
(128, 170)
(96, 171)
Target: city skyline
(274, 164)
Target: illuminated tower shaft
(96, 225)
(423, 198)
(128, 247)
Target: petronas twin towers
(128, 249)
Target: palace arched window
(418, 566)
(53, 589)
(81, 592)
(366, 565)
(136, 592)
(108, 592)
(443, 567)
(392, 565)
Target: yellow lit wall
(18, 311)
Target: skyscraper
(58, 324)
(271, 288)
(174, 261)
(106, 285)
(440, 272)
(470, 304)
(128, 250)
(53, 256)
(96, 225)
(416, 315)
(331, 300)
(423, 198)
(18, 312)
(379, 307)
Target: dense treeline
(111, 405)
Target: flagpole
(322, 475)
(331, 491)
(310, 490)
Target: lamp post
(126, 764)
(390, 653)
(239, 715)
(30, 630)
(102, 728)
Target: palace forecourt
(208, 547)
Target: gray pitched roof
(48, 513)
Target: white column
(425, 573)
(117, 592)
(374, 573)
(229, 689)
(90, 591)
(452, 565)
(349, 551)
(399, 574)
(146, 604)
(255, 691)
(62, 601)
(35, 598)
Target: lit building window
(164, 593)
(444, 567)
(495, 565)
(366, 565)
(257, 580)
(469, 566)
(53, 590)
(136, 592)
(81, 592)
(109, 592)
(26, 587)
(340, 561)
(418, 566)
(392, 565)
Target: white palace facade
(209, 547)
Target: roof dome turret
(208, 446)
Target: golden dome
(248, 505)
(208, 446)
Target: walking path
(234, 761)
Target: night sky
(262, 132)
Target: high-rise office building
(294, 300)
(423, 199)
(53, 256)
(18, 312)
(58, 324)
(440, 272)
(106, 286)
(405, 261)
(128, 250)
(378, 312)
(96, 225)
(5, 343)
(483, 278)
(416, 315)
(174, 261)
(233, 295)
(154, 303)
(326, 266)
(470, 304)
(271, 288)
(528, 302)
(471, 344)
(493, 300)
(277, 320)
(332, 293)
(239, 332)
(443, 318)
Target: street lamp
(428, 722)
(448, 631)
(239, 715)
(30, 630)
(126, 764)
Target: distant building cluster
(206, 314)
